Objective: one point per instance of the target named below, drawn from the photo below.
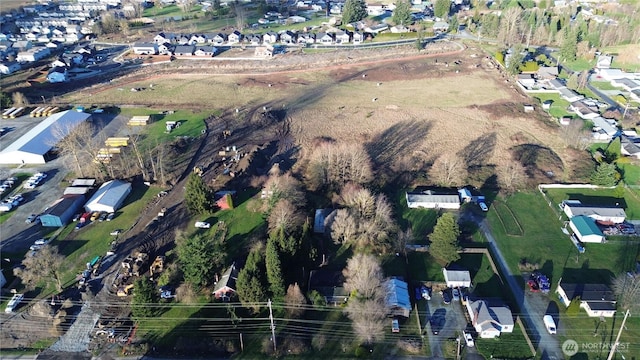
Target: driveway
(548, 345)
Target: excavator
(125, 290)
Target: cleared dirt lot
(406, 111)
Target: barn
(61, 212)
(586, 230)
(109, 196)
(33, 147)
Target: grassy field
(507, 218)
(507, 346)
(558, 106)
(604, 85)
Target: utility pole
(273, 327)
(615, 344)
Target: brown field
(405, 111)
(8, 5)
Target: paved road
(548, 346)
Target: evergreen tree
(605, 175)
(353, 10)
(197, 195)
(402, 13)
(200, 257)
(569, 47)
(144, 298)
(444, 239)
(441, 8)
(251, 284)
(515, 60)
(5, 100)
(274, 270)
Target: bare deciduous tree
(241, 15)
(343, 227)
(285, 216)
(509, 24)
(19, 99)
(363, 276)
(576, 135)
(448, 170)
(295, 301)
(74, 142)
(359, 200)
(627, 289)
(282, 186)
(338, 164)
(511, 176)
(368, 318)
(45, 264)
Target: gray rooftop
(578, 210)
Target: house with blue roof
(586, 230)
(397, 300)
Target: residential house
(288, 37)
(145, 48)
(557, 83)
(604, 62)
(197, 39)
(376, 29)
(489, 320)
(457, 278)
(225, 287)
(586, 230)
(57, 75)
(440, 26)
(630, 146)
(295, 19)
(184, 50)
(219, 39)
(72, 38)
(306, 38)
(326, 38)
(430, 200)
(165, 49)
(31, 36)
(584, 111)
(253, 39)
(635, 94)
(376, 9)
(596, 299)
(399, 29)
(570, 95)
(626, 83)
(163, 38)
(397, 300)
(358, 38)
(604, 129)
(205, 51)
(22, 45)
(330, 285)
(602, 214)
(43, 38)
(265, 51)
(270, 37)
(526, 80)
(547, 72)
(7, 68)
(235, 37)
(33, 54)
(343, 37)
(183, 39)
(611, 74)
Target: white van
(549, 324)
(13, 303)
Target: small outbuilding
(397, 300)
(457, 278)
(109, 196)
(62, 211)
(586, 230)
(225, 287)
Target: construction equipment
(133, 264)
(157, 266)
(162, 212)
(125, 290)
(197, 170)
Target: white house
(611, 74)
(586, 230)
(145, 48)
(457, 278)
(602, 214)
(57, 75)
(489, 321)
(596, 299)
(430, 200)
(570, 95)
(7, 68)
(604, 129)
(604, 61)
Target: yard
(558, 106)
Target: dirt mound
(42, 309)
(275, 82)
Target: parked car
(42, 241)
(483, 206)
(425, 292)
(469, 339)
(549, 324)
(95, 216)
(395, 326)
(32, 218)
(455, 294)
(202, 225)
(446, 296)
(437, 321)
(103, 216)
(35, 247)
(115, 232)
(110, 216)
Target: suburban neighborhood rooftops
(586, 225)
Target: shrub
(574, 307)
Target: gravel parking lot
(454, 323)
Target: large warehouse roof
(109, 196)
(32, 146)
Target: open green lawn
(166, 11)
(630, 172)
(507, 346)
(558, 107)
(544, 244)
(603, 85)
(579, 64)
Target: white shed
(457, 278)
(109, 196)
(431, 200)
(586, 230)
